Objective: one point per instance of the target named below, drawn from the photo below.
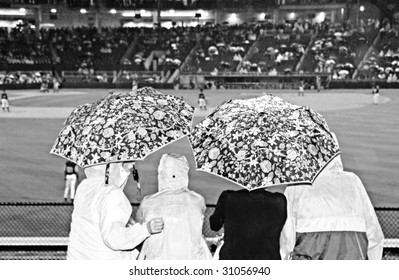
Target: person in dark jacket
(252, 222)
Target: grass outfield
(368, 136)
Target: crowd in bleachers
(263, 48)
(23, 46)
(222, 47)
(25, 77)
(87, 48)
(339, 48)
(279, 53)
(166, 47)
(382, 64)
(309, 2)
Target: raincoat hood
(173, 172)
(100, 215)
(336, 202)
(118, 175)
(334, 165)
(182, 210)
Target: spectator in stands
(273, 72)
(252, 222)
(331, 220)
(4, 101)
(102, 227)
(183, 211)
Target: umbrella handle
(107, 174)
(135, 174)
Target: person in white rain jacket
(102, 227)
(183, 213)
(331, 219)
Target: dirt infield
(368, 135)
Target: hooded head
(173, 172)
(118, 173)
(336, 163)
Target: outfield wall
(285, 82)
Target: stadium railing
(41, 230)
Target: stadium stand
(220, 48)
(23, 49)
(270, 45)
(382, 62)
(338, 49)
(85, 48)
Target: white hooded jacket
(337, 201)
(100, 216)
(182, 211)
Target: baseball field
(368, 135)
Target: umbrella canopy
(123, 127)
(262, 142)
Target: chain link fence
(40, 230)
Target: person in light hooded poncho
(102, 227)
(183, 213)
(332, 219)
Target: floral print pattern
(263, 141)
(122, 127)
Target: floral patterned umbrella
(262, 142)
(123, 127)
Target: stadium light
(53, 11)
(83, 11)
(320, 17)
(12, 12)
(361, 8)
(233, 18)
(142, 13)
(112, 11)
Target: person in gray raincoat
(183, 213)
(102, 227)
(331, 220)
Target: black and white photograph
(212, 130)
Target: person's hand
(155, 225)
